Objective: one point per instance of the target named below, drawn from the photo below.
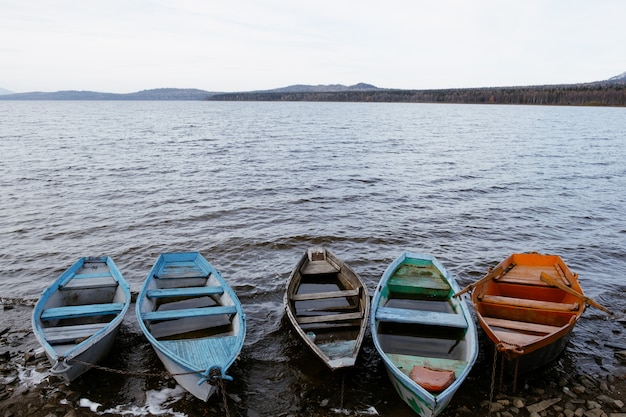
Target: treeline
(595, 94)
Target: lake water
(252, 185)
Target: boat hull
(528, 320)
(327, 305)
(78, 317)
(193, 320)
(413, 305)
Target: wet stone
(569, 392)
(518, 403)
(593, 404)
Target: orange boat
(528, 305)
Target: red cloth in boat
(433, 380)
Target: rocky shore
(27, 390)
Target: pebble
(567, 396)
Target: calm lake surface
(252, 185)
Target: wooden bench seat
(71, 334)
(166, 276)
(184, 292)
(520, 325)
(430, 285)
(89, 310)
(186, 313)
(330, 318)
(327, 294)
(527, 303)
(321, 267)
(429, 318)
(88, 281)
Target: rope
(493, 378)
(221, 386)
(343, 379)
(215, 376)
(131, 373)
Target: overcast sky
(124, 46)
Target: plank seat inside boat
(88, 281)
(517, 338)
(429, 318)
(327, 294)
(520, 325)
(531, 275)
(88, 310)
(528, 303)
(70, 334)
(189, 312)
(185, 292)
(179, 275)
(420, 284)
(320, 267)
(406, 363)
(330, 318)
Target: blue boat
(193, 320)
(425, 336)
(79, 315)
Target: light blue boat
(79, 315)
(193, 319)
(425, 336)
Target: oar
(489, 275)
(549, 280)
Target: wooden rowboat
(78, 316)
(528, 319)
(327, 304)
(193, 320)
(425, 336)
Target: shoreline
(27, 388)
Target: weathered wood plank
(89, 310)
(319, 267)
(429, 318)
(517, 338)
(71, 334)
(181, 276)
(527, 303)
(89, 283)
(330, 318)
(184, 292)
(189, 312)
(327, 294)
(520, 325)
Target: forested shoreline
(596, 94)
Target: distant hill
(3, 92)
(611, 92)
(329, 88)
(618, 78)
(156, 94)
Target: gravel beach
(27, 389)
